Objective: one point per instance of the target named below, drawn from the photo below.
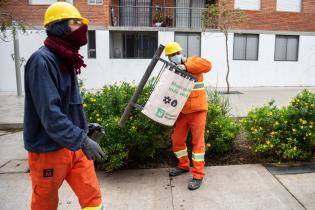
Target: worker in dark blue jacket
(55, 127)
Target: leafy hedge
(141, 138)
(286, 133)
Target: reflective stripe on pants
(101, 207)
(196, 122)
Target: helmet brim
(85, 21)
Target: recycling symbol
(168, 100)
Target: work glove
(96, 132)
(92, 149)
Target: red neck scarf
(67, 48)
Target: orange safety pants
(49, 170)
(196, 122)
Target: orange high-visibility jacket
(197, 100)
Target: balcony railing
(148, 16)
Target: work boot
(194, 184)
(177, 171)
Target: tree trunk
(227, 62)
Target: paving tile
(302, 186)
(235, 187)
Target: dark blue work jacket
(53, 116)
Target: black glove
(92, 150)
(96, 132)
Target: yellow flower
(277, 123)
(84, 105)
(99, 119)
(311, 126)
(294, 148)
(294, 130)
(208, 145)
(273, 133)
(270, 114)
(267, 142)
(97, 115)
(303, 121)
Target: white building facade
(257, 58)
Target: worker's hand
(181, 67)
(184, 59)
(92, 149)
(96, 132)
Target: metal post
(17, 59)
(141, 85)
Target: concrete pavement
(11, 110)
(234, 187)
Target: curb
(4, 126)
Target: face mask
(177, 59)
(77, 38)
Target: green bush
(141, 138)
(286, 133)
(221, 129)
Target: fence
(148, 16)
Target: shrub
(221, 129)
(139, 139)
(283, 133)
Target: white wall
(28, 44)
(103, 70)
(265, 71)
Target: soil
(240, 154)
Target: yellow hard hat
(171, 48)
(62, 10)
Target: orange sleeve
(197, 65)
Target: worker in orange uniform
(193, 116)
(55, 127)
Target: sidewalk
(234, 187)
(12, 107)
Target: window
(133, 44)
(135, 12)
(289, 5)
(245, 47)
(95, 2)
(189, 13)
(247, 4)
(42, 2)
(91, 44)
(287, 48)
(190, 42)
